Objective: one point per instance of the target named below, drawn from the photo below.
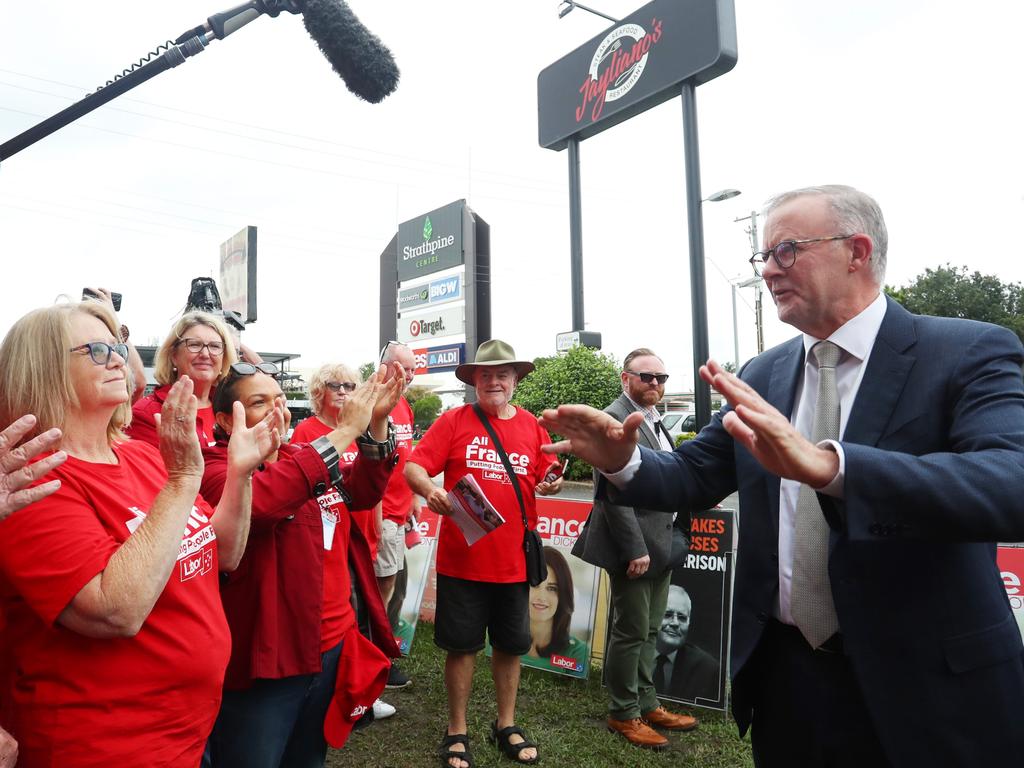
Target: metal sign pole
(695, 226)
(575, 234)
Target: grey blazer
(614, 535)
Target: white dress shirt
(855, 339)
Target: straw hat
(491, 354)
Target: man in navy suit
(923, 663)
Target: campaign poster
(428, 524)
(418, 560)
(1011, 567)
(691, 665)
(562, 608)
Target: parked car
(677, 422)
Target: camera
(115, 298)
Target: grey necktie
(811, 596)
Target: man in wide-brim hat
(482, 588)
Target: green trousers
(638, 607)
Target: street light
(720, 195)
(570, 4)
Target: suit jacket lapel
(885, 378)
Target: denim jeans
(276, 723)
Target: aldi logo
(439, 359)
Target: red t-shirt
(77, 701)
(397, 501)
(458, 444)
(337, 609)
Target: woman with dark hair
(551, 607)
(288, 605)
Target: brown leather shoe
(670, 721)
(638, 733)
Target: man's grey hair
(390, 350)
(854, 211)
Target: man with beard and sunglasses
(634, 545)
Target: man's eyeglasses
(195, 346)
(248, 369)
(337, 386)
(784, 253)
(647, 378)
(100, 351)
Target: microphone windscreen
(362, 60)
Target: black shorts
(465, 609)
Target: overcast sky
(915, 101)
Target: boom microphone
(362, 60)
(355, 53)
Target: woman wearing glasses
(329, 390)
(199, 346)
(114, 626)
(288, 604)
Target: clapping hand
(16, 473)
(176, 426)
(251, 446)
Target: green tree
(954, 292)
(366, 370)
(425, 410)
(582, 375)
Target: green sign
(431, 242)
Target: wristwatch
(377, 449)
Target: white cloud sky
(916, 102)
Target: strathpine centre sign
(431, 242)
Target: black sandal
(500, 739)
(446, 753)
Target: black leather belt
(834, 645)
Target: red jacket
(274, 600)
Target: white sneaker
(382, 710)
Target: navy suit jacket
(934, 449)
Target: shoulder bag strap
(504, 460)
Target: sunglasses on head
(384, 349)
(647, 378)
(100, 351)
(248, 369)
(337, 386)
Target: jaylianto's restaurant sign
(637, 64)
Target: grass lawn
(563, 715)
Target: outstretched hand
(15, 471)
(592, 435)
(767, 434)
